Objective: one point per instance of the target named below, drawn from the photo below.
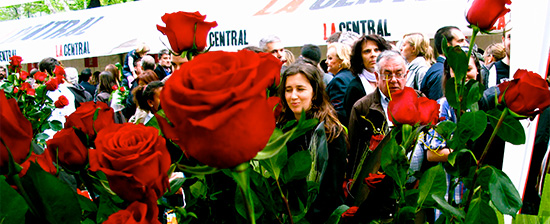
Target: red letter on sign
(290, 7)
(263, 11)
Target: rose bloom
(43, 160)
(485, 13)
(527, 94)
(31, 92)
(407, 108)
(25, 85)
(83, 118)
(58, 71)
(180, 30)
(61, 102)
(218, 105)
(135, 160)
(15, 60)
(40, 76)
(67, 148)
(23, 75)
(137, 212)
(15, 131)
(52, 84)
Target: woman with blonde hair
(338, 63)
(494, 52)
(416, 49)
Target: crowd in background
(348, 89)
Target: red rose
(485, 13)
(407, 108)
(23, 75)
(135, 213)
(15, 61)
(15, 131)
(66, 147)
(61, 102)
(31, 92)
(229, 106)
(135, 160)
(15, 89)
(40, 76)
(182, 27)
(114, 87)
(429, 111)
(25, 86)
(59, 71)
(43, 160)
(52, 84)
(122, 89)
(374, 179)
(527, 94)
(402, 108)
(350, 212)
(83, 118)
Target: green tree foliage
(47, 7)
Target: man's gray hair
(266, 40)
(387, 54)
(148, 62)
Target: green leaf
(406, 215)
(107, 206)
(240, 204)
(510, 130)
(433, 181)
(394, 162)
(447, 208)
(470, 127)
(54, 199)
(451, 93)
(86, 204)
(474, 90)
(200, 170)
(456, 154)
(275, 144)
(480, 212)
(334, 218)
(278, 140)
(457, 60)
(56, 125)
(275, 164)
(504, 194)
(544, 209)
(446, 129)
(199, 189)
(297, 167)
(175, 184)
(12, 206)
(42, 136)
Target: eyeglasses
(390, 76)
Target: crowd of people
(349, 92)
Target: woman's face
(369, 52)
(334, 63)
(298, 94)
(407, 50)
(472, 70)
(155, 102)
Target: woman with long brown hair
(302, 89)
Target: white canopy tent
(119, 28)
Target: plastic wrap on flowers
(218, 106)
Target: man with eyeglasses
(369, 123)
